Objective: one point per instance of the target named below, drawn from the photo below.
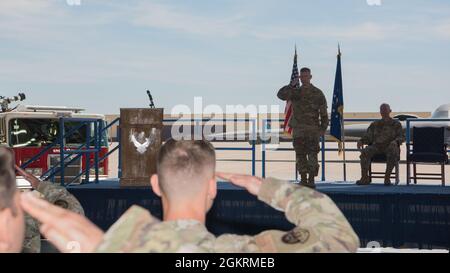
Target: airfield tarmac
(281, 164)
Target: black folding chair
(381, 158)
(428, 147)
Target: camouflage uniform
(382, 137)
(309, 121)
(320, 227)
(54, 194)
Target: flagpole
(342, 127)
(343, 148)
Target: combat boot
(387, 176)
(365, 180)
(387, 179)
(303, 180)
(311, 183)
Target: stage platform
(416, 216)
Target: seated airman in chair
(383, 136)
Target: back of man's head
(11, 215)
(185, 167)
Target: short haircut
(183, 166)
(305, 70)
(7, 179)
(385, 105)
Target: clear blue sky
(103, 55)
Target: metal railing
(252, 136)
(68, 155)
(408, 128)
(323, 149)
(98, 160)
(99, 130)
(266, 125)
(409, 144)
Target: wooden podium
(140, 139)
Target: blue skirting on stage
(401, 216)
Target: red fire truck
(28, 130)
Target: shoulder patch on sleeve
(296, 236)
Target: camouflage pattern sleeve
(320, 225)
(400, 137)
(32, 240)
(286, 93)
(128, 234)
(368, 137)
(323, 109)
(59, 196)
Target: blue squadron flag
(337, 111)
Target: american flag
(288, 109)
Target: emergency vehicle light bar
(36, 108)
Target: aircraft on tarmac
(353, 132)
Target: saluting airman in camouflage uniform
(384, 136)
(54, 194)
(186, 182)
(321, 227)
(309, 121)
